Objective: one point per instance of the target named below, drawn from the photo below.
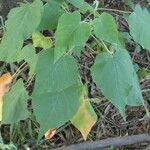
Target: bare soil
(110, 123)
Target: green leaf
(76, 3)
(39, 40)
(139, 22)
(57, 91)
(82, 5)
(51, 14)
(87, 7)
(71, 32)
(15, 104)
(105, 29)
(85, 118)
(22, 21)
(116, 77)
(129, 3)
(142, 73)
(28, 54)
(148, 147)
(77, 50)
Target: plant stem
(89, 48)
(106, 48)
(102, 44)
(19, 69)
(29, 81)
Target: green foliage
(116, 77)
(85, 118)
(148, 148)
(70, 32)
(51, 14)
(15, 104)
(22, 21)
(57, 89)
(129, 3)
(8, 146)
(28, 54)
(39, 40)
(142, 73)
(81, 5)
(139, 26)
(105, 29)
(76, 3)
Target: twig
(28, 83)
(118, 141)
(18, 70)
(89, 48)
(145, 90)
(2, 22)
(115, 10)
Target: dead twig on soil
(117, 141)
(114, 10)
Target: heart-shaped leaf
(116, 77)
(57, 91)
(70, 32)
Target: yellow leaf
(39, 40)
(85, 118)
(5, 81)
(50, 133)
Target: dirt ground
(110, 123)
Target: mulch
(110, 123)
